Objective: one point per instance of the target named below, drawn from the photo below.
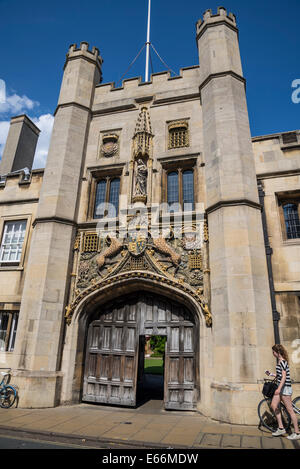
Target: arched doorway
(113, 350)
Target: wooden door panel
(188, 345)
(180, 387)
(111, 363)
(116, 368)
(117, 336)
(174, 370)
(174, 339)
(188, 365)
(113, 360)
(130, 339)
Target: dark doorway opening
(151, 368)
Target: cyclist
(283, 392)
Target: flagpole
(148, 43)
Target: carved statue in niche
(140, 188)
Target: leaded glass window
(107, 198)
(188, 190)
(173, 188)
(12, 241)
(8, 330)
(100, 199)
(291, 218)
(114, 197)
(180, 190)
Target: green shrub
(157, 344)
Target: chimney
(20, 145)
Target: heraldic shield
(137, 244)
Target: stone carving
(107, 282)
(110, 145)
(140, 179)
(190, 241)
(162, 246)
(142, 255)
(137, 245)
(88, 270)
(142, 139)
(115, 246)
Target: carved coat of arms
(137, 245)
(110, 146)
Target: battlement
(83, 50)
(209, 19)
(159, 78)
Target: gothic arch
(85, 310)
(101, 292)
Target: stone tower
(20, 145)
(242, 331)
(41, 315)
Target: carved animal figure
(114, 248)
(161, 245)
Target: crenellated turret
(221, 15)
(217, 39)
(84, 51)
(82, 72)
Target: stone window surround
(179, 164)
(9, 218)
(178, 124)
(13, 311)
(96, 174)
(284, 198)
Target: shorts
(286, 391)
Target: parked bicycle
(267, 417)
(8, 393)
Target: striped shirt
(283, 365)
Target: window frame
(11, 330)
(179, 166)
(179, 124)
(96, 176)
(15, 265)
(283, 200)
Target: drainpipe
(269, 252)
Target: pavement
(148, 426)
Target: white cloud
(16, 104)
(45, 124)
(4, 127)
(2, 91)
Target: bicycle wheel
(7, 397)
(296, 403)
(267, 417)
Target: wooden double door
(115, 351)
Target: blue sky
(35, 37)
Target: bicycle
(267, 417)
(8, 393)
(296, 407)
